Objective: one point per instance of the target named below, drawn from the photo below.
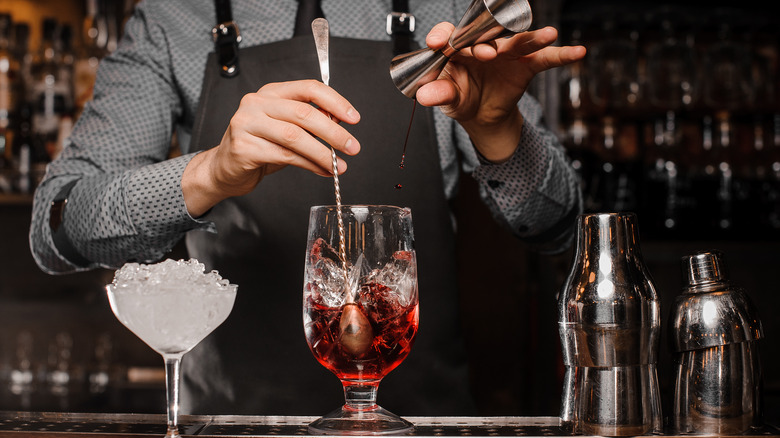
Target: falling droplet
(406, 140)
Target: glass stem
(172, 365)
(360, 396)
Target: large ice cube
(326, 278)
(398, 275)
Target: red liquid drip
(406, 140)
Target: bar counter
(72, 425)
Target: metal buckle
(402, 21)
(227, 28)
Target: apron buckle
(400, 22)
(227, 29)
(226, 36)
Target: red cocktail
(393, 326)
(361, 309)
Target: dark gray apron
(258, 362)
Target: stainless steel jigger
(714, 329)
(485, 20)
(609, 322)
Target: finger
(302, 121)
(325, 97)
(292, 144)
(438, 93)
(485, 51)
(280, 156)
(439, 35)
(269, 130)
(321, 168)
(316, 122)
(250, 146)
(329, 115)
(552, 57)
(526, 43)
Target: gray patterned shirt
(128, 204)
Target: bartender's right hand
(274, 127)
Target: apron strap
(400, 25)
(226, 35)
(226, 38)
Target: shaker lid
(705, 267)
(711, 312)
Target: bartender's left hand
(480, 86)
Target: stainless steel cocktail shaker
(609, 322)
(714, 331)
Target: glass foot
(348, 421)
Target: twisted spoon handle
(321, 31)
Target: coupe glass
(360, 312)
(171, 306)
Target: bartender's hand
(274, 127)
(480, 87)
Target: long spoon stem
(321, 31)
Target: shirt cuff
(532, 191)
(516, 178)
(155, 200)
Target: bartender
(236, 81)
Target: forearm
(535, 192)
(496, 143)
(110, 219)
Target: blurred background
(674, 115)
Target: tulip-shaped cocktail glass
(171, 306)
(360, 310)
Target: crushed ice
(170, 274)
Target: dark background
(508, 295)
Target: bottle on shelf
(93, 49)
(21, 51)
(575, 121)
(50, 97)
(9, 78)
(66, 57)
(22, 151)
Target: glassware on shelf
(93, 49)
(22, 375)
(614, 184)
(100, 370)
(614, 83)
(672, 88)
(360, 308)
(673, 73)
(727, 63)
(614, 89)
(575, 121)
(757, 187)
(9, 97)
(50, 97)
(699, 86)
